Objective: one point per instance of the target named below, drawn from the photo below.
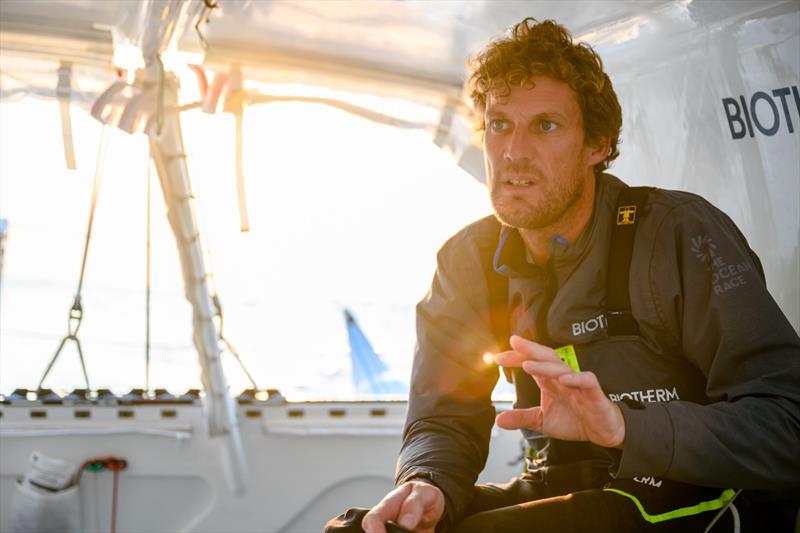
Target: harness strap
(499, 314)
(630, 205)
(498, 297)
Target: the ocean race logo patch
(724, 277)
(704, 248)
(727, 277)
(648, 395)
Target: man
(670, 391)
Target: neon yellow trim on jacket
(701, 507)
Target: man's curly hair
(546, 49)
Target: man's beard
(522, 212)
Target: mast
(170, 161)
(161, 24)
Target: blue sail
(369, 371)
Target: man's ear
(598, 150)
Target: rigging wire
(98, 173)
(76, 311)
(218, 307)
(3, 233)
(147, 279)
(205, 16)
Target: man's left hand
(572, 407)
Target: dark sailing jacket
(709, 388)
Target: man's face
(537, 164)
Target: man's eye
(498, 124)
(547, 125)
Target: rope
(115, 465)
(737, 524)
(114, 495)
(76, 311)
(240, 193)
(734, 512)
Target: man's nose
(521, 146)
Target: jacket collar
(512, 260)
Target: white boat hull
(306, 462)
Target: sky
(343, 213)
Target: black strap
(630, 205)
(499, 312)
(498, 301)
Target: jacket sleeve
(708, 291)
(450, 413)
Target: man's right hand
(414, 505)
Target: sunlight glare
(343, 213)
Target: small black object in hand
(392, 527)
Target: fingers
(533, 350)
(510, 359)
(425, 507)
(386, 509)
(521, 419)
(412, 510)
(412, 505)
(525, 350)
(605, 424)
(546, 370)
(580, 380)
(586, 382)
